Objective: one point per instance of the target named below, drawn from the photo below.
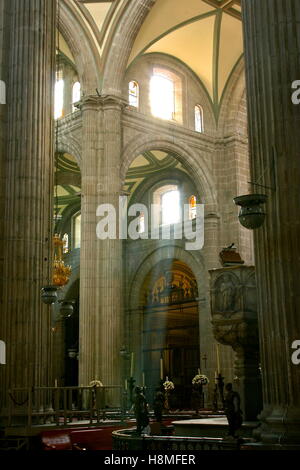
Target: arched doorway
(170, 329)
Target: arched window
(193, 207)
(162, 96)
(141, 228)
(170, 207)
(66, 243)
(133, 93)
(77, 231)
(59, 96)
(199, 124)
(167, 200)
(76, 95)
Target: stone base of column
(280, 427)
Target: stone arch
(71, 146)
(196, 264)
(82, 46)
(199, 171)
(117, 51)
(234, 95)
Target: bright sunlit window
(66, 243)
(133, 91)
(58, 99)
(77, 231)
(76, 94)
(193, 207)
(141, 228)
(199, 125)
(170, 207)
(162, 96)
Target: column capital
(102, 101)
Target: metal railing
(61, 406)
(125, 440)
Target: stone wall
(217, 163)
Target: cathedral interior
(181, 116)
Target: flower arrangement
(200, 379)
(168, 385)
(96, 383)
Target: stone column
(101, 320)
(25, 321)
(89, 279)
(272, 54)
(3, 122)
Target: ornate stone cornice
(102, 101)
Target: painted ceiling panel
(63, 46)
(165, 15)
(231, 48)
(159, 155)
(98, 12)
(198, 55)
(139, 161)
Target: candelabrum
(219, 393)
(131, 386)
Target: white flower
(168, 385)
(200, 379)
(96, 383)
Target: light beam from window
(170, 207)
(162, 97)
(59, 99)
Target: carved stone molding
(234, 320)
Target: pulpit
(234, 320)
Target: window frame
(176, 79)
(137, 97)
(199, 108)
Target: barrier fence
(64, 405)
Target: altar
(210, 427)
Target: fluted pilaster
(25, 321)
(271, 29)
(101, 320)
(89, 278)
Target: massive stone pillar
(101, 319)
(272, 49)
(88, 336)
(25, 321)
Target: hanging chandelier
(61, 272)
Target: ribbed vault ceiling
(206, 35)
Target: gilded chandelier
(61, 272)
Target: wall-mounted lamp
(49, 294)
(252, 214)
(67, 308)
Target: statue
(140, 411)
(158, 404)
(218, 392)
(232, 410)
(227, 294)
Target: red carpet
(93, 438)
